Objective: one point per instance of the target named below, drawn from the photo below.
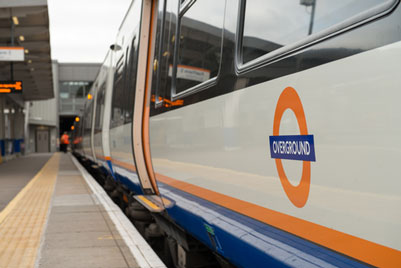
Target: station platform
(54, 214)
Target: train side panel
(88, 126)
(103, 87)
(105, 143)
(124, 64)
(270, 154)
(215, 156)
(357, 150)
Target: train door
(107, 110)
(92, 130)
(140, 129)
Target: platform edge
(139, 248)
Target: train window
(126, 102)
(100, 108)
(117, 115)
(269, 25)
(88, 118)
(199, 44)
(131, 81)
(159, 60)
(164, 51)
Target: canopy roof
(32, 33)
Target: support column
(2, 126)
(26, 129)
(2, 121)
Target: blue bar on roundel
(293, 147)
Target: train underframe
(174, 246)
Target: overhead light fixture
(26, 51)
(15, 20)
(32, 69)
(77, 119)
(72, 127)
(90, 96)
(29, 61)
(21, 38)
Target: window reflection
(163, 76)
(88, 117)
(271, 24)
(117, 115)
(199, 44)
(100, 108)
(74, 89)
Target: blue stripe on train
(245, 241)
(110, 166)
(129, 179)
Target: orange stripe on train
(355, 247)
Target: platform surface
(54, 219)
(16, 173)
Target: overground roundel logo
(293, 147)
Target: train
(253, 133)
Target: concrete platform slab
(81, 240)
(64, 198)
(23, 220)
(13, 178)
(94, 257)
(82, 209)
(78, 234)
(62, 219)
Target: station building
(53, 93)
(24, 30)
(74, 83)
(48, 119)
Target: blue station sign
(293, 147)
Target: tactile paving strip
(23, 220)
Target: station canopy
(31, 31)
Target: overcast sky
(83, 30)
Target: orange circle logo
(289, 99)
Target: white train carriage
(256, 133)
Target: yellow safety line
(22, 221)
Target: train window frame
(183, 7)
(132, 67)
(276, 55)
(158, 56)
(126, 77)
(88, 115)
(120, 63)
(101, 93)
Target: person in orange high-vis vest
(64, 141)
